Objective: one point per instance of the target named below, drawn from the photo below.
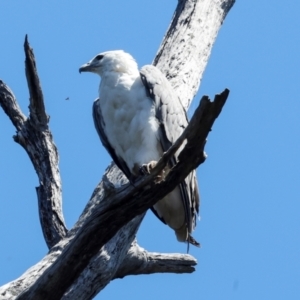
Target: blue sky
(249, 228)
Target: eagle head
(111, 61)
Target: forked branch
(34, 136)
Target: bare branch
(105, 264)
(10, 106)
(185, 50)
(139, 261)
(43, 153)
(120, 207)
(37, 108)
(35, 137)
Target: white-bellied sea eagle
(138, 116)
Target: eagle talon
(147, 168)
(144, 170)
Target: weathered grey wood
(137, 261)
(186, 47)
(11, 107)
(54, 273)
(187, 12)
(35, 137)
(122, 205)
(37, 107)
(144, 262)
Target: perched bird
(138, 116)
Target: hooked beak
(86, 68)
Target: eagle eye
(99, 57)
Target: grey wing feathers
(173, 120)
(99, 125)
(169, 109)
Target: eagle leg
(147, 168)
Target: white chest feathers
(130, 123)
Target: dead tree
(104, 235)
